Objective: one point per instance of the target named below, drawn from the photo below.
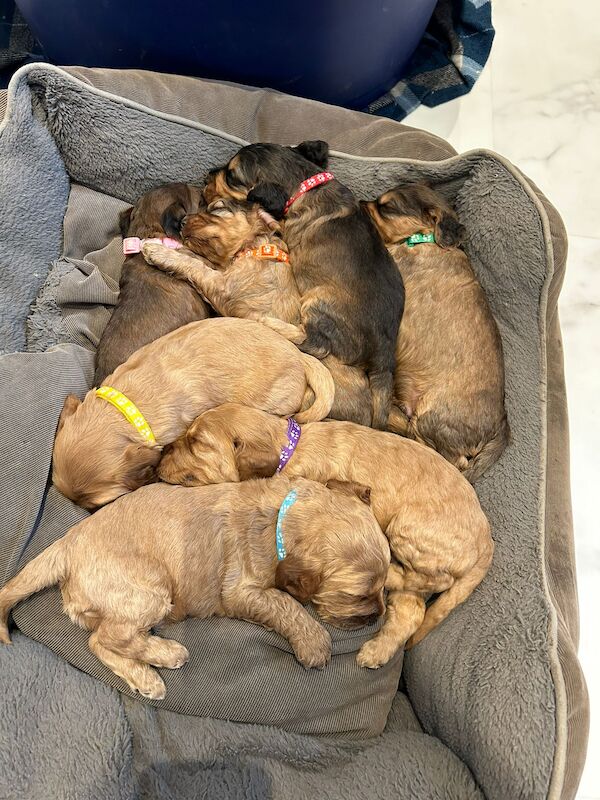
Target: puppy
(351, 294)
(450, 369)
(166, 553)
(439, 536)
(239, 279)
(150, 303)
(100, 454)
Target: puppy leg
(279, 611)
(163, 652)
(137, 675)
(206, 281)
(405, 612)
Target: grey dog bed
(492, 702)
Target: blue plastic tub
(346, 52)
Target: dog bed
(492, 702)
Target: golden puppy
(166, 553)
(439, 536)
(99, 454)
(450, 371)
(239, 279)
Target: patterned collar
(287, 451)
(269, 251)
(288, 502)
(310, 183)
(419, 238)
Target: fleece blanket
(482, 710)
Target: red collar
(310, 183)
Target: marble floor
(538, 103)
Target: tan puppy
(99, 455)
(240, 283)
(450, 375)
(166, 553)
(438, 534)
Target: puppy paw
(315, 650)
(177, 657)
(154, 253)
(150, 685)
(374, 654)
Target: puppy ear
(259, 463)
(316, 151)
(271, 196)
(71, 404)
(172, 218)
(448, 230)
(351, 487)
(125, 221)
(141, 461)
(294, 578)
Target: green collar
(419, 238)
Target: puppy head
(225, 228)
(94, 461)
(266, 163)
(338, 557)
(403, 211)
(160, 211)
(211, 451)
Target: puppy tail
(45, 570)
(454, 596)
(321, 385)
(293, 333)
(489, 453)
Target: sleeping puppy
(150, 303)
(245, 272)
(450, 369)
(110, 443)
(439, 536)
(166, 553)
(351, 294)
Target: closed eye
(232, 179)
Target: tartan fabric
(447, 62)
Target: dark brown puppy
(151, 303)
(450, 370)
(352, 295)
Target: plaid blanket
(445, 65)
(447, 62)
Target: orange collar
(269, 251)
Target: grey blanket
(482, 711)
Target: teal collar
(419, 238)
(288, 502)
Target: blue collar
(288, 502)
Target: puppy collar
(310, 183)
(266, 251)
(129, 410)
(288, 502)
(287, 451)
(132, 244)
(419, 238)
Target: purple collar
(287, 451)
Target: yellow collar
(129, 410)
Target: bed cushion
(466, 682)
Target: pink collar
(310, 183)
(132, 244)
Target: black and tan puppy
(151, 303)
(450, 369)
(351, 294)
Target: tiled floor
(538, 103)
